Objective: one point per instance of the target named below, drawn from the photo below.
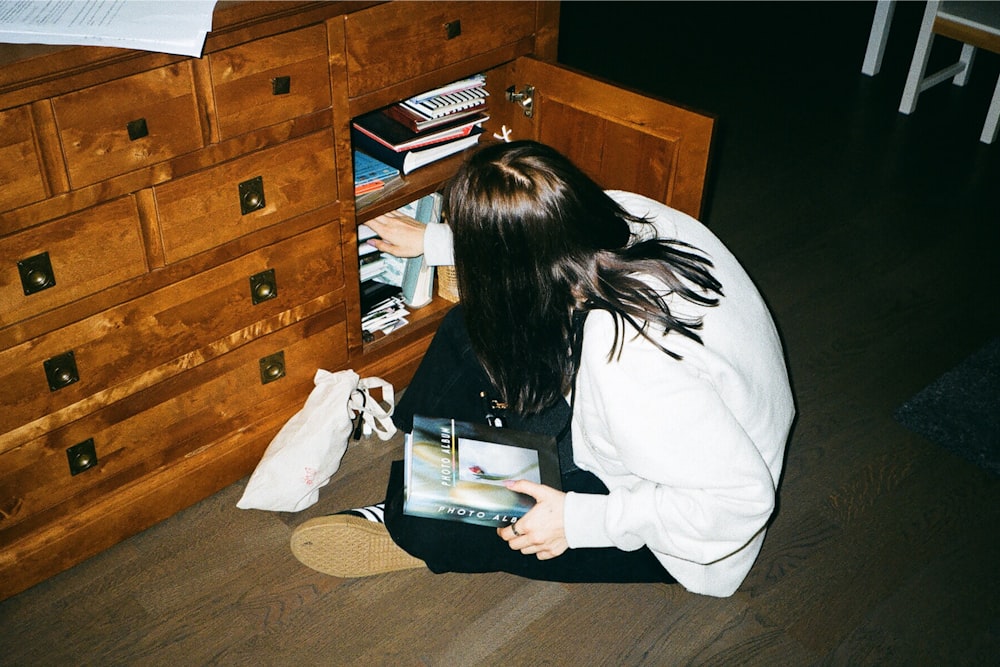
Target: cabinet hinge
(526, 98)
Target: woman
(677, 394)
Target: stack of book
(373, 265)
(425, 128)
(373, 178)
(389, 284)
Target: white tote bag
(307, 450)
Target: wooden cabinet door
(621, 139)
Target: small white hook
(504, 134)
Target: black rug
(961, 410)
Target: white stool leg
(989, 134)
(878, 36)
(921, 52)
(968, 53)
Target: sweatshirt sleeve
(438, 245)
(684, 477)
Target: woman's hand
(541, 530)
(399, 234)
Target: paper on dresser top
(175, 26)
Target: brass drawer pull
(61, 370)
(36, 273)
(452, 29)
(281, 85)
(137, 129)
(263, 286)
(272, 367)
(252, 195)
(82, 456)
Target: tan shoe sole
(348, 546)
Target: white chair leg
(921, 52)
(968, 53)
(878, 36)
(989, 134)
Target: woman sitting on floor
(678, 398)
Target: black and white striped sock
(374, 513)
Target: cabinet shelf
(419, 183)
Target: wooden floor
(874, 237)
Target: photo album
(456, 471)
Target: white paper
(169, 26)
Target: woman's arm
(398, 234)
(402, 236)
(693, 484)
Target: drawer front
(69, 258)
(163, 424)
(141, 342)
(270, 81)
(20, 169)
(381, 40)
(212, 207)
(127, 124)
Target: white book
(475, 81)
(418, 158)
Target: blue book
(368, 169)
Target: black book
(410, 160)
(374, 292)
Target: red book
(370, 186)
(419, 123)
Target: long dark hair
(535, 240)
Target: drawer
(382, 40)
(140, 342)
(270, 81)
(163, 424)
(129, 123)
(69, 258)
(212, 207)
(20, 169)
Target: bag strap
(372, 415)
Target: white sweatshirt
(691, 450)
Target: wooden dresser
(178, 247)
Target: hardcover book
(389, 132)
(455, 471)
(412, 159)
(420, 123)
(367, 170)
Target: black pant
(448, 383)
